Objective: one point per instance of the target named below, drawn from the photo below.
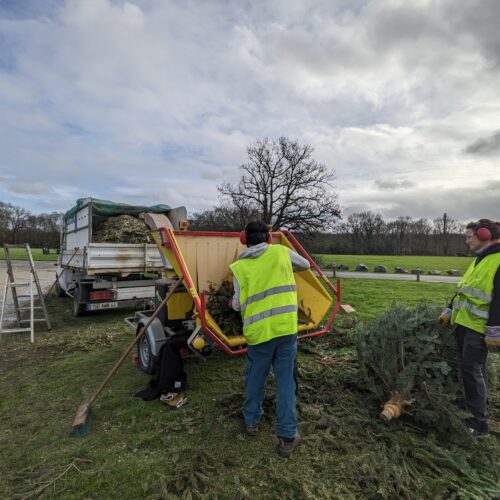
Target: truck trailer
(109, 275)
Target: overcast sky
(155, 101)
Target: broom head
(83, 420)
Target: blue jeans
(280, 353)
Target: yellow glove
(444, 317)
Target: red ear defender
(483, 234)
(243, 237)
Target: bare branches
(286, 185)
(37, 484)
(369, 233)
(224, 218)
(18, 224)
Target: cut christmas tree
(409, 361)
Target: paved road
(390, 276)
(46, 272)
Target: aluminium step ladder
(35, 292)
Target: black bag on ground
(171, 376)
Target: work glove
(445, 316)
(492, 338)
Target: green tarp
(109, 208)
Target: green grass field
(390, 261)
(20, 254)
(427, 263)
(370, 297)
(140, 450)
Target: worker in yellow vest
(265, 293)
(475, 310)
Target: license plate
(102, 305)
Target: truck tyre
(79, 309)
(60, 292)
(147, 361)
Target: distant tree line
(361, 233)
(18, 225)
(368, 233)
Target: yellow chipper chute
(202, 259)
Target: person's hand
(493, 347)
(444, 317)
(492, 339)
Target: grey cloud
(389, 26)
(28, 9)
(393, 184)
(461, 203)
(486, 146)
(29, 187)
(212, 176)
(478, 19)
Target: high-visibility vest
(268, 295)
(471, 305)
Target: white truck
(108, 275)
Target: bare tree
(366, 231)
(14, 218)
(286, 186)
(223, 218)
(353, 228)
(4, 222)
(371, 227)
(399, 229)
(444, 228)
(18, 225)
(420, 229)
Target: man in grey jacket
(268, 288)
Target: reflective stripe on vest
(473, 310)
(270, 312)
(267, 293)
(475, 293)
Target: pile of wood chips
(121, 229)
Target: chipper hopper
(202, 260)
(195, 262)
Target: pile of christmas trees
(228, 319)
(409, 361)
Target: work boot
(477, 428)
(174, 400)
(251, 430)
(287, 445)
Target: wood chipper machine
(201, 259)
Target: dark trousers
(472, 352)
(280, 353)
